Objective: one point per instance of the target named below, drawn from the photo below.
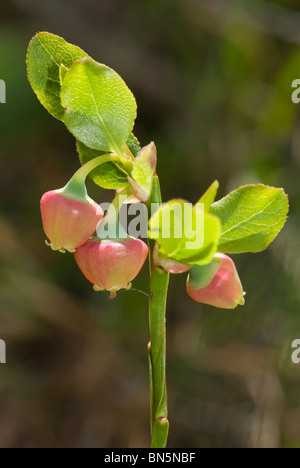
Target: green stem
(93, 163)
(157, 345)
(76, 186)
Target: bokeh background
(213, 85)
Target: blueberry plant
(99, 110)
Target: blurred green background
(213, 85)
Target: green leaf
(109, 175)
(133, 144)
(251, 218)
(62, 73)
(144, 167)
(46, 54)
(100, 109)
(209, 196)
(184, 233)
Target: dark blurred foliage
(213, 84)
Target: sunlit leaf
(251, 218)
(184, 233)
(100, 110)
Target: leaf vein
(48, 52)
(114, 144)
(251, 217)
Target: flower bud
(69, 222)
(111, 265)
(219, 286)
(168, 264)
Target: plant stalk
(157, 346)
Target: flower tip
(62, 250)
(97, 288)
(242, 300)
(113, 291)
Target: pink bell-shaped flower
(111, 265)
(69, 222)
(217, 284)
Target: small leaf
(141, 179)
(109, 175)
(133, 144)
(210, 195)
(46, 54)
(100, 109)
(184, 233)
(251, 218)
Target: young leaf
(109, 175)
(251, 218)
(133, 144)
(210, 195)
(184, 233)
(144, 167)
(100, 109)
(46, 54)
